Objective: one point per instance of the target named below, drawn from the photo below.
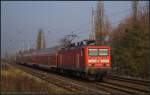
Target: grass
(14, 80)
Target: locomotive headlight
(92, 61)
(107, 64)
(105, 61)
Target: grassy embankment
(14, 80)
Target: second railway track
(129, 85)
(130, 80)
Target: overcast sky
(21, 20)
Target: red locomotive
(84, 59)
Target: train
(84, 59)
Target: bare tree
(102, 25)
(134, 10)
(40, 40)
(99, 22)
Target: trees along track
(66, 83)
(129, 85)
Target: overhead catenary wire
(113, 14)
(80, 27)
(122, 11)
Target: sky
(21, 20)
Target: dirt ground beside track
(13, 80)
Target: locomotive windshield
(103, 51)
(93, 52)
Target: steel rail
(62, 82)
(131, 80)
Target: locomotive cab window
(103, 52)
(93, 52)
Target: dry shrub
(15, 80)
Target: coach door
(59, 60)
(78, 61)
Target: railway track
(128, 85)
(130, 80)
(112, 85)
(68, 84)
